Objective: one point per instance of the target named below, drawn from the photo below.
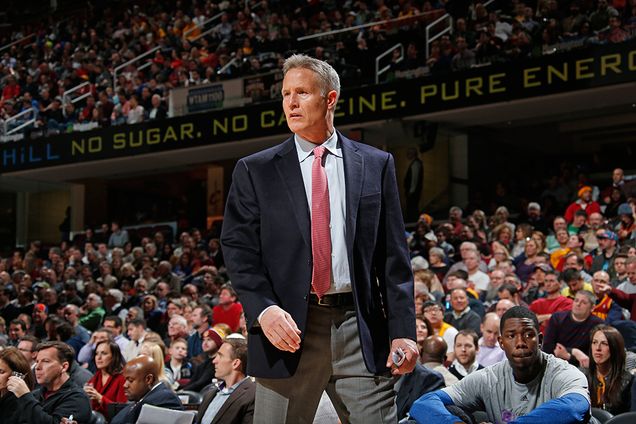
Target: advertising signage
(576, 70)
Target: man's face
(26, 349)
(162, 290)
(459, 300)
(562, 236)
(471, 261)
(92, 302)
(48, 368)
(579, 220)
(208, 345)
(581, 306)
(619, 266)
(137, 384)
(497, 278)
(172, 309)
(225, 298)
(595, 220)
(631, 272)
(111, 326)
(465, 350)
(520, 340)
(15, 332)
(490, 332)
(434, 315)
(70, 314)
(135, 332)
(617, 175)
(503, 306)
(174, 328)
(559, 224)
(198, 320)
(572, 262)
(39, 316)
(306, 108)
(599, 278)
(552, 284)
(223, 362)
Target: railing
(379, 71)
(6, 46)
(66, 95)
(203, 24)
(430, 27)
(131, 61)
(16, 117)
(449, 28)
(227, 65)
(370, 24)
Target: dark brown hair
(117, 362)
(17, 362)
(612, 394)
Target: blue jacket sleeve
(431, 408)
(568, 409)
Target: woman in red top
(107, 385)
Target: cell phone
(398, 356)
(18, 374)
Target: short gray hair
(437, 251)
(327, 76)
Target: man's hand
(603, 289)
(583, 359)
(561, 352)
(280, 329)
(411, 353)
(17, 386)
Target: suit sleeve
(241, 243)
(392, 260)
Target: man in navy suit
(142, 387)
(314, 243)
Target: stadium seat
(626, 418)
(193, 397)
(97, 418)
(601, 415)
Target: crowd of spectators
(174, 303)
(251, 38)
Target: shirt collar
(230, 390)
(462, 313)
(305, 148)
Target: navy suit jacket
(266, 243)
(415, 385)
(161, 396)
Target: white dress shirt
(334, 168)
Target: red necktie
(320, 220)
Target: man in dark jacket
(203, 371)
(143, 387)
(233, 401)
(57, 397)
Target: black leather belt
(336, 300)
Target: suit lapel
(288, 168)
(236, 394)
(354, 171)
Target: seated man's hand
(561, 352)
(280, 329)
